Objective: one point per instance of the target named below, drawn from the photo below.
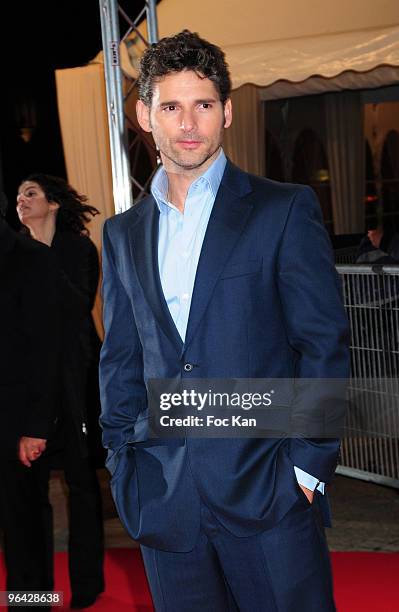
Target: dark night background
(36, 38)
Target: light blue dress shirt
(179, 247)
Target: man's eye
(206, 105)
(171, 107)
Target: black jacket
(77, 264)
(28, 339)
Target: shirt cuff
(308, 481)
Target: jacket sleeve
(77, 285)
(318, 331)
(41, 326)
(122, 389)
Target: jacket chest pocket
(241, 268)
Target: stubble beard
(180, 161)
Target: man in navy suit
(217, 275)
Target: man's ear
(228, 113)
(143, 116)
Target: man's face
(186, 119)
(375, 236)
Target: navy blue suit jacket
(266, 304)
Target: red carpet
(364, 582)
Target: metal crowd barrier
(371, 296)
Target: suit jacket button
(188, 367)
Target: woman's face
(32, 204)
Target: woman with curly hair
(54, 213)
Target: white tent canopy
(270, 43)
(306, 63)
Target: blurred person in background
(52, 212)
(28, 370)
(380, 245)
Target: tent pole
(121, 180)
(152, 21)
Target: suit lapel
(144, 249)
(227, 221)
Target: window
(274, 163)
(371, 198)
(390, 179)
(310, 167)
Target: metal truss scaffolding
(127, 146)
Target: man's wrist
(308, 481)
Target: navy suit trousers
(283, 569)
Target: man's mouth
(189, 144)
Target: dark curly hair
(73, 212)
(184, 51)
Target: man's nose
(187, 121)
